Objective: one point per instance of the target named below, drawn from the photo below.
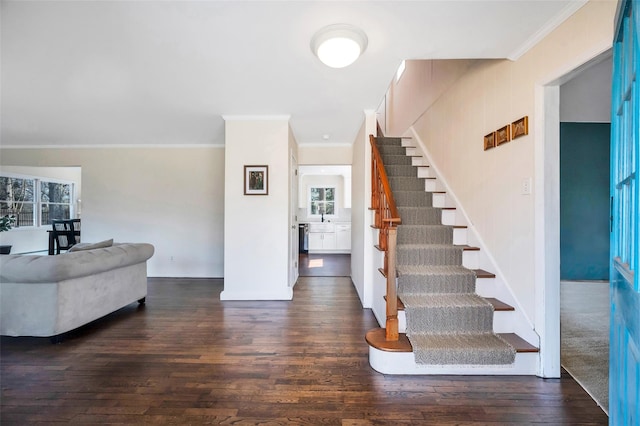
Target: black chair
(64, 234)
(76, 228)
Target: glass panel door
(624, 358)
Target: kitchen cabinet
(322, 241)
(329, 237)
(343, 237)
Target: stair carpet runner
(446, 321)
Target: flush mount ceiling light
(339, 45)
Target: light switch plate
(526, 186)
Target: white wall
(587, 97)
(330, 153)
(169, 197)
(256, 227)
(33, 239)
(362, 242)
(421, 84)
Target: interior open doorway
(548, 211)
(585, 144)
(324, 212)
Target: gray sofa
(46, 296)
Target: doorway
(584, 145)
(324, 212)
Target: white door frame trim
(547, 209)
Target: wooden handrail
(386, 220)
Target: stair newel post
(392, 295)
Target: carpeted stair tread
(440, 300)
(461, 349)
(427, 270)
(447, 313)
(423, 279)
(429, 254)
(420, 215)
(425, 234)
(391, 150)
(413, 199)
(406, 183)
(400, 170)
(397, 160)
(388, 140)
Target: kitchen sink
(321, 227)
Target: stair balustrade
(386, 221)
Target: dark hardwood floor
(324, 265)
(188, 358)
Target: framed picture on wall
(489, 141)
(503, 135)
(256, 180)
(520, 127)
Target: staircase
(445, 326)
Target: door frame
(547, 209)
(293, 220)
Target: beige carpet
(584, 330)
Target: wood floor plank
(188, 358)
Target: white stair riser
(424, 172)
(431, 185)
(440, 200)
(412, 151)
(485, 287)
(470, 259)
(418, 161)
(449, 217)
(503, 321)
(460, 236)
(404, 363)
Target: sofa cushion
(91, 246)
(46, 269)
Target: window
(400, 70)
(322, 200)
(18, 197)
(55, 201)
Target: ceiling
(81, 73)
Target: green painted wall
(584, 201)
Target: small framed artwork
(503, 135)
(256, 180)
(520, 127)
(489, 141)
